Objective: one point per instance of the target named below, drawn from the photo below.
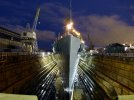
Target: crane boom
(36, 20)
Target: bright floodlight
(82, 41)
(69, 26)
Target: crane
(29, 36)
(36, 20)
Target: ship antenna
(70, 10)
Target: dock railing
(4, 55)
(118, 54)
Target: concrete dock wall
(17, 70)
(119, 72)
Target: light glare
(69, 26)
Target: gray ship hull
(69, 46)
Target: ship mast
(70, 10)
(70, 24)
(68, 21)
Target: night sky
(107, 21)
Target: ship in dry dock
(70, 44)
(67, 73)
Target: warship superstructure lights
(82, 41)
(75, 32)
(69, 26)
